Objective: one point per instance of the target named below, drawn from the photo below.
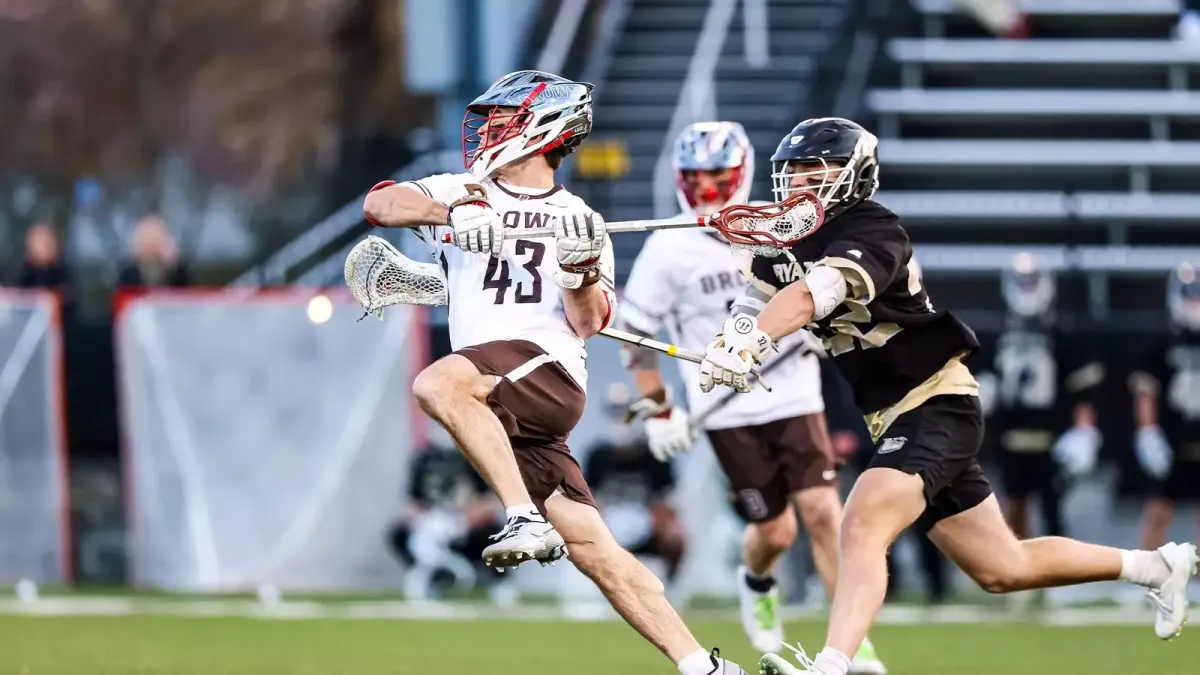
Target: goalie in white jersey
(520, 310)
(774, 447)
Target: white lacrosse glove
(579, 240)
(738, 346)
(1077, 450)
(667, 430)
(1153, 451)
(477, 228)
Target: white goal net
(34, 524)
(267, 440)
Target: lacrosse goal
(266, 438)
(34, 512)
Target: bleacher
(1094, 121)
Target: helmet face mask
(832, 158)
(830, 181)
(1028, 290)
(524, 114)
(714, 167)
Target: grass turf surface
(162, 645)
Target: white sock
(696, 663)
(831, 662)
(1144, 568)
(528, 510)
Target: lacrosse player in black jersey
(853, 283)
(1167, 410)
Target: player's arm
(391, 204)
(650, 295)
(1150, 443)
(586, 274)
(1078, 448)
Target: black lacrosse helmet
(833, 158)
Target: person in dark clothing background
(441, 537)
(43, 266)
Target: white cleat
(524, 539)
(774, 664)
(1171, 600)
(866, 662)
(760, 615)
(723, 666)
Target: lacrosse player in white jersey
(519, 312)
(774, 447)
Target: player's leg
(485, 396)
(455, 393)
(760, 495)
(632, 589)
(921, 453)
(980, 542)
(1016, 477)
(805, 452)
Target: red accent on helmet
(486, 127)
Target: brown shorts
(766, 464)
(539, 404)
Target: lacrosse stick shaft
(665, 348)
(612, 228)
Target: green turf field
(38, 645)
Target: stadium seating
(1098, 131)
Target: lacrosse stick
(668, 349)
(380, 276)
(762, 230)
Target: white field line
(444, 611)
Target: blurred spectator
(43, 266)
(633, 490)
(1002, 17)
(442, 536)
(1188, 28)
(154, 257)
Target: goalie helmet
(1183, 298)
(833, 158)
(714, 167)
(1028, 290)
(525, 113)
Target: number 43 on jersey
(498, 278)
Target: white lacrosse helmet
(1028, 290)
(525, 113)
(712, 146)
(1183, 298)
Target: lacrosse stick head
(767, 229)
(379, 276)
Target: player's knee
(999, 580)
(822, 516)
(778, 533)
(440, 385)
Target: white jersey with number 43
(686, 281)
(512, 297)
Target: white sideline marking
(444, 611)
